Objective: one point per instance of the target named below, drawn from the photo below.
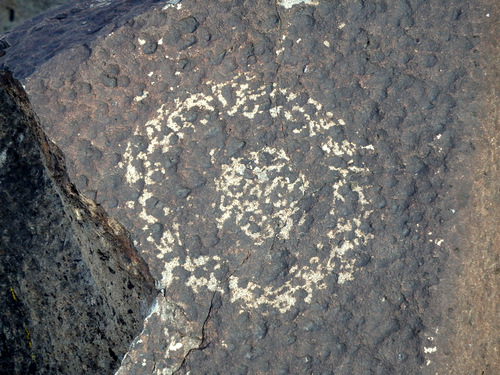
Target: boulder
(293, 173)
(75, 291)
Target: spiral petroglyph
(257, 191)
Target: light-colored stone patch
(253, 190)
(290, 3)
(179, 340)
(100, 3)
(173, 3)
(307, 278)
(430, 350)
(245, 97)
(3, 157)
(139, 98)
(262, 190)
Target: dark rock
(148, 45)
(188, 25)
(75, 282)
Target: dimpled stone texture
(284, 171)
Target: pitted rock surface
(286, 169)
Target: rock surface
(15, 12)
(296, 175)
(74, 292)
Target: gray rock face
(72, 299)
(289, 171)
(15, 12)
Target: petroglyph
(257, 190)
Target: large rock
(293, 173)
(75, 291)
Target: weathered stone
(292, 172)
(15, 12)
(75, 291)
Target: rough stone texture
(295, 174)
(469, 291)
(73, 295)
(15, 12)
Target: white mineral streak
(254, 190)
(144, 95)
